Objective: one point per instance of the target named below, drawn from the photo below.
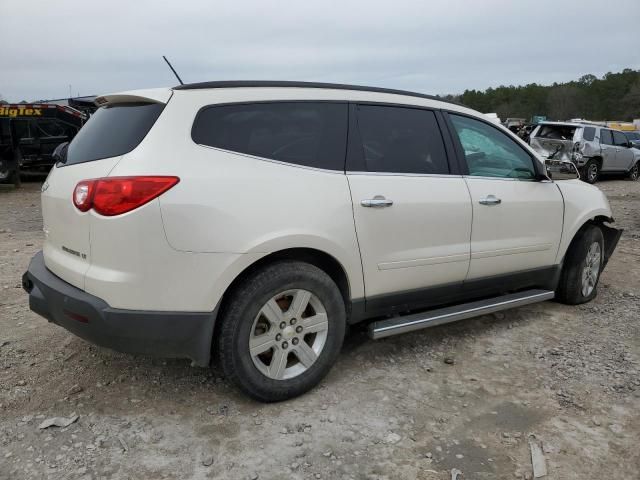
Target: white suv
(255, 221)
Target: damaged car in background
(594, 149)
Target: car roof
(295, 84)
(563, 124)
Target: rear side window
(588, 134)
(401, 140)
(113, 131)
(305, 133)
(605, 137)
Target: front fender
(583, 203)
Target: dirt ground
(391, 409)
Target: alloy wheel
(591, 269)
(288, 334)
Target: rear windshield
(113, 131)
(556, 132)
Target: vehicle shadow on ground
(114, 380)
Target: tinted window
(304, 133)
(490, 152)
(401, 140)
(632, 135)
(619, 139)
(113, 131)
(606, 137)
(589, 133)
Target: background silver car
(594, 149)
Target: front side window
(632, 135)
(304, 133)
(619, 140)
(401, 140)
(491, 153)
(606, 137)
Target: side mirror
(59, 155)
(559, 170)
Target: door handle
(490, 200)
(377, 202)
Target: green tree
(615, 96)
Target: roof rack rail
(295, 84)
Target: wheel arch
(323, 260)
(611, 235)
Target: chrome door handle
(490, 200)
(377, 202)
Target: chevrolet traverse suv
(255, 221)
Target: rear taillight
(116, 195)
(83, 194)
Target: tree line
(615, 96)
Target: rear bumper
(163, 334)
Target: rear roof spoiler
(152, 95)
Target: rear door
(111, 132)
(412, 211)
(624, 155)
(517, 219)
(608, 150)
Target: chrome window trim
(398, 174)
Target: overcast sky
(429, 46)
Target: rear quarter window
(589, 134)
(312, 134)
(113, 131)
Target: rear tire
(634, 173)
(591, 171)
(582, 267)
(281, 331)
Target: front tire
(582, 267)
(634, 173)
(281, 331)
(591, 171)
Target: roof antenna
(173, 70)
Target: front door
(517, 218)
(412, 214)
(624, 155)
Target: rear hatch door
(116, 128)
(554, 142)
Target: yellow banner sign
(20, 111)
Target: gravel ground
(467, 396)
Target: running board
(431, 318)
